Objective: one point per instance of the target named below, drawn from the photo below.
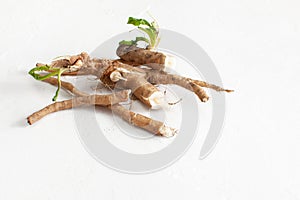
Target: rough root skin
(161, 77)
(145, 78)
(140, 56)
(151, 125)
(67, 86)
(138, 120)
(133, 79)
(100, 100)
(122, 74)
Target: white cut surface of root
(157, 100)
(167, 131)
(115, 76)
(170, 61)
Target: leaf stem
(55, 72)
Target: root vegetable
(153, 126)
(124, 73)
(143, 90)
(115, 74)
(67, 86)
(161, 77)
(102, 100)
(82, 98)
(139, 56)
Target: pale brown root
(143, 90)
(161, 77)
(140, 56)
(138, 120)
(112, 73)
(74, 73)
(151, 125)
(66, 73)
(211, 86)
(73, 63)
(199, 91)
(80, 64)
(100, 100)
(120, 75)
(67, 86)
(57, 106)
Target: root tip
(229, 91)
(170, 61)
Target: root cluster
(126, 75)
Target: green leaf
(151, 29)
(55, 72)
(134, 42)
(58, 84)
(138, 22)
(151, 34)
(128, 42)
(137, 39)
(33, 71)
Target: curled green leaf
(138, 22)
(134, 42)
(151, 29)
(52, 72)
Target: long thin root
(138, 120)
(161, 77)
(151, 125)
(100, 100)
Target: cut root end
(157, 100)
(205, 99)
(116, 76)
(170, 61)
(167, 131)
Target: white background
(255, 46)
